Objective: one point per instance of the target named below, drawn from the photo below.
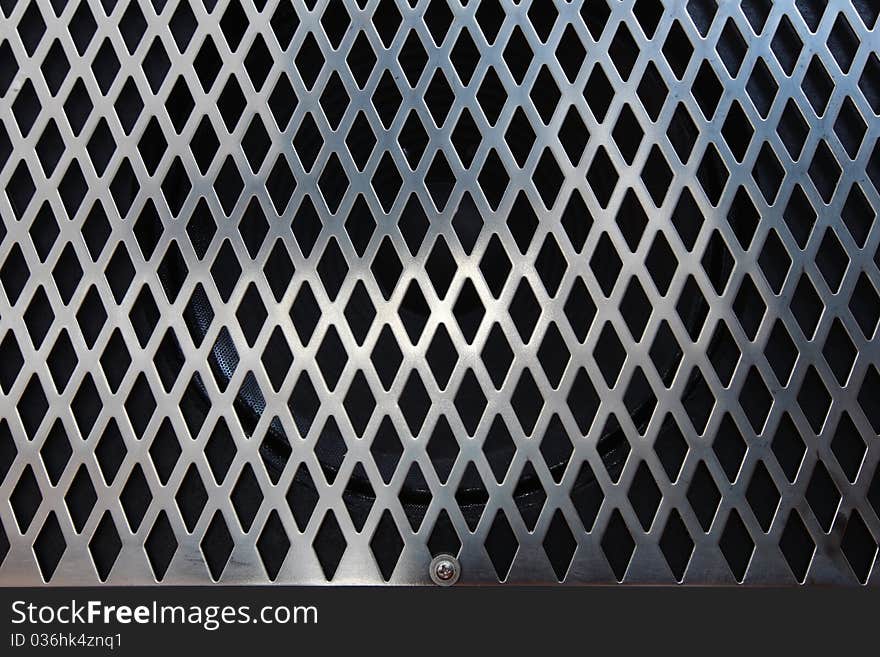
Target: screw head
(445, 570)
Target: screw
(445, 570)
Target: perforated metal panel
(310, 291)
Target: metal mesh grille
(309, 291)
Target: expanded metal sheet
(311, 291)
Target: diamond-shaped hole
(736, 545)
(160, 546)
(559, 545)
(859, 547)
(216, 546)
(329, 545)
(645, 496)
(191, 498)
(529, 496)
(49, 546)
(471, 496)
(501, 545)
(677, 545)
(618, 545)
(797, 546)
(499, 448)
(105, 546)
(823, 496)
(848, 447)
(763, 496)
(25, 499)
(246, 497)
(703, 496)
(386, 545)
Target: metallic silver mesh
(310, 291)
